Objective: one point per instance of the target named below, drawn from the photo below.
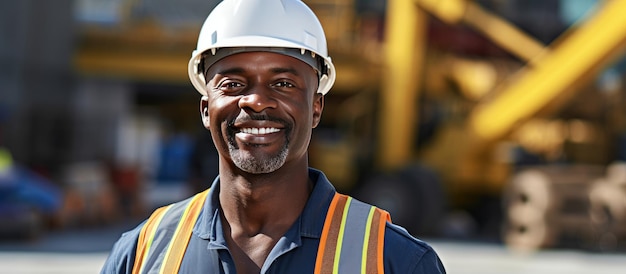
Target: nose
(257, 100)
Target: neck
(268, 204)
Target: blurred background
(485, 121)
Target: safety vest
(352, 238)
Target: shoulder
(122, 255)
(404, 253)
(165, 219)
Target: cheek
(302, 115)
(221, 106)
(298, 109)
(220, 111)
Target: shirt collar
(311, 220)
(314, 213)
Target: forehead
(261, 61)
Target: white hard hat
(285, 26)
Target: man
(267, 69)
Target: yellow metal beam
(162, 67)
(504, 34)
(498, 30)
(404, 50)
(579, 56)
(449, 11)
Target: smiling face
(260, 108)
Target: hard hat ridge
(262, 25)
(209, 57)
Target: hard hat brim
(252, 42)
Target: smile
(260, 131)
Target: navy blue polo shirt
(295, 252)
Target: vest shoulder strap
(352, 237)
(183, 215)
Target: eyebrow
(235, 70)
(285, 70)
(239, 70)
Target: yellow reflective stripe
(178, 229)
(366, 238)
(152, 234)
(342, 228)
(152, 225)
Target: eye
(228, 86)
(284, 84)
(232, 85)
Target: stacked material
(543, 205)
(607, 199)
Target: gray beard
(254, 165)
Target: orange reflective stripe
(383, 218)
(328, 242)
(177, 245)
(345, 217)
(145, 238)
(180, 240)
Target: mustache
(259, 117)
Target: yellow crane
(376, 97)
(465, 157)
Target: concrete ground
(84, 251)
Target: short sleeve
(404, 253)
(429, 263)
(122, 255)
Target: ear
(204, 111)
(318, 107)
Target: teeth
(267, 130)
